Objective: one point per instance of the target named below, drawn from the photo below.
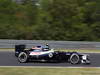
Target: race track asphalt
(7, 58)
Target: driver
(46, 47)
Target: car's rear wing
(19, 48)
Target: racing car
(41, 53)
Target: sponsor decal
(41, 53)
(35, 53)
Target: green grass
(6, 49)
(67, 50)
(49, 71)
(82, 51)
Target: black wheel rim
(74, 59)
(22, 57)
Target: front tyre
(22, 57)
(74, 58)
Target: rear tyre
(74, 58)
(22, 57)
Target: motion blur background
(71, 20)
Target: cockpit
(40, 48)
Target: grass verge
(82, 51)
(49, 71)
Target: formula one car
(41, 53)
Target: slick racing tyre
(74, 58)
(22, 57)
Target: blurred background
(71, 20)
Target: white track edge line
(42, 67)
